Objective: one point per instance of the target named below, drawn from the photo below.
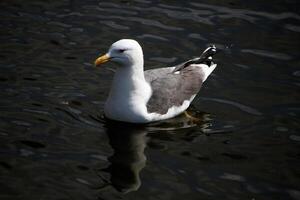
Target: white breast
(127, 99)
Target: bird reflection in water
(128, 142)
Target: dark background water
(54, 143)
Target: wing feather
(172, 89)
(171, 86)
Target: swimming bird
(138, 96)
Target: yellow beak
(102, 59)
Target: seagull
(138, 96)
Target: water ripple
(235, 104)
(78, 14)
(108, 5)
(116, 11)
(197, 36)
(242, 13)
(292, 27)
(264, 53)
(202, 16)
(297, 73)
(37, 111)
(143, 1)
(64, 25)
(153, 36)
(189, 15)
(149, 22)
(74, 117)
(233, 177)
(114, 25)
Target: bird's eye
(121, 50)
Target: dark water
(54, 143)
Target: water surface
(55, 144)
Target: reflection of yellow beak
(102, 59)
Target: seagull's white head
(125, 52)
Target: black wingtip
(205, 57)
(208, 52)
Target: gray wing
(172, 89)
(171, 86)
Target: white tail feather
(207, 70)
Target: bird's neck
(128, 80)
(128, 95)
